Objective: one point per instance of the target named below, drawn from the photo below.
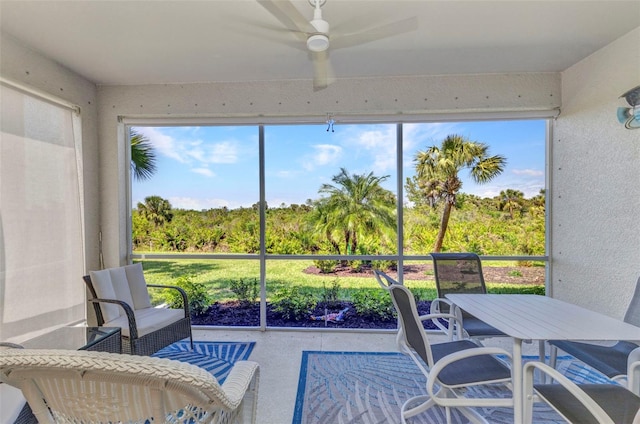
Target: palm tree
(156, 210)
(440, 166)
(511, 200)
(357, 205)
(143, 157)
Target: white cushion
(148, 320)
(121, 286)
(138, 286)
(101, 281)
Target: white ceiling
(143, 42)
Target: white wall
(595, 190)
(395, 99)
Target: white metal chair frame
(590, 403)
(444, 363)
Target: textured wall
(595, 230)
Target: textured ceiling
(143, 42)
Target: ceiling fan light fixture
(318, 42)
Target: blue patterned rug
(370, 387)
(216, 357)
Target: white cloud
(204, 171)
(528, 172)
(198, 204)
(324, 154)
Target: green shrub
(325, 265)
(356, 265)
(373, 304)
(199, 299)
(245, 289)
(330, 295)
(293, 303)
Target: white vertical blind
(41, 222)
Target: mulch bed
(235, 314)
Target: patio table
(527, 317)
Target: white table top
(533, 317)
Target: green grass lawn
(217, 276)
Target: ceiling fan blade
(374, 34)
(290, 17)
(322, 70)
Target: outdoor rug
(370, 387)
(216, 357)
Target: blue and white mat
(370, 387)
(216, 357)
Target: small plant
(325, 266)
(373, 304)
(383, 265)
(515, 273)
(293, 303)
(246, 290)
(356, 265)
(330, 294)
(199, 299)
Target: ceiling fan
(316, 34)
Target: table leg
(516, 374)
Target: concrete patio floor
(279, 353)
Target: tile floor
(279, 353)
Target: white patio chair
(450, 367)
(99, 387)
(581, 403)
(460, 273)
(610, 360)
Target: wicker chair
(100, 387)
(121, 299)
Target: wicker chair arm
(240, 379)
(131, 318)
(185, 300)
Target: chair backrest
(383, 279)
(411, 333)
(87, 386)
(126, 283)
(458, 273)
(632, 316)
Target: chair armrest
(591, 405)
(633, 371)
(458, 329)
(455, 322)
(185, 300)
(432, 379)
(131, 318)
(239, 380)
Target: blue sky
(215, 166)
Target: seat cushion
(137, 286)
(101, 281)
(148, 320)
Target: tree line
(356, 215)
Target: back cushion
(121, 286)
(138, 286)
(101, 281)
